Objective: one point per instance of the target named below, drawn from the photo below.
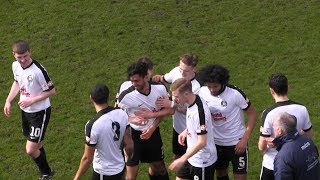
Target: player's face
(138, 82)
(24, 59)
(178, 97)
(214, 88)
(186, 71)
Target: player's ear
(271, 90)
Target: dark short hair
(139, 68)
(213, 73)
(279, 83)
(100, 94)
(20, 46)
(147, 61)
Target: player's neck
(280, 98)
(191, 98)
(146, 88)
(99, 107)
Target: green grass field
(84, 42)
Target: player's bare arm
(178, 163)
(252, 118)
(85, 162)
(128, 143)
(12, 94)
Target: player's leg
(202, 173)
(132, 165)
(178, 150)
(240, 165)
(222, 162)
(37, 124)
(153, 154)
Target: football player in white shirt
(127, 84)
(145, 131)
(201, 152)
(106, 134)
(187, 70)
(227, 104)
(35, 87)
(278, 86)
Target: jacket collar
(290, 136)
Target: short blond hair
(182, 85)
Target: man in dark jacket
(298, 156)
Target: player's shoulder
(235, 89)
(126, 92)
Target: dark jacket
(297, 158)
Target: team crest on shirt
(30, 78)
(224, 103)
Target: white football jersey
(106, 131)
(268, 115)
(179, 116)
(227, 114)
(199, 123)
(32, 80)
(132, 100)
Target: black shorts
(34, 125)
(177, 148)
(227, 154)
(198, 173)
(266, 174)
(97, 176)
(146, 151)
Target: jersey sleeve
(266, 125)
(168, 77)
(44, 80)
(91, 134)
(242, 100)
(14, 70)
(307, 125)
(201, 121)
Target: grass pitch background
(84, 42)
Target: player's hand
(177, 164)
(241, 146)
(7, 108)
(146, 134)
(26, 102)
(270, 143)
(138, 121)
(157, 78)
(144, 114)
(182, 137)
(163, 102)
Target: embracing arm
(128, 143)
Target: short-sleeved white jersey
(32, 80)
(268, 115)
(106, 131)
(227, 114)
(179, 117)
(199, 123)
(132, 100)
